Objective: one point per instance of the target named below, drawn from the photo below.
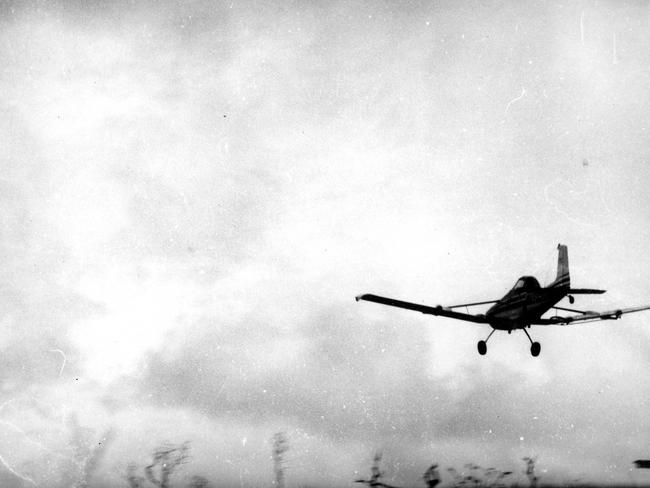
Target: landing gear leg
(535, 347)
(482, 345)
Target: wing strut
(471, 304)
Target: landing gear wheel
(535, 349)
(482, 348)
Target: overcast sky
(192, 193)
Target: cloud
(193, 194)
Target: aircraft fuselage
(524, 304)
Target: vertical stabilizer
(562, 280)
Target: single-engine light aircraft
(522, 306)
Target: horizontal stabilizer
(584, 291)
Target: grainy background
(192, 193)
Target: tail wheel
(482, 347)
(535, 349)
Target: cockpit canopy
(527, 283)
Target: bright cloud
(192, 195)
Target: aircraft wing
(425, 309)
(590, 316)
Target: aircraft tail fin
(562, 280)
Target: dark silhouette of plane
(522, 306)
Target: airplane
(521, 307)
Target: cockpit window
(526, 282)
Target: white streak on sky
(16, 473)
(523, 93)
(557, 183)
(36, 443)
(11, 400)
(222, 387)
(64, 359)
